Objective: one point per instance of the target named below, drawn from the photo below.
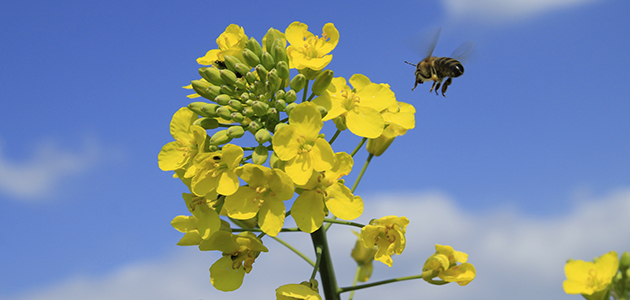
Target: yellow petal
(308, 211)
(223, 277)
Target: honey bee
(437, 68)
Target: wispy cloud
(505, 10)
(516, 256)
(46, 166)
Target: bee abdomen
(448, 67)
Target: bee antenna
(410, 63)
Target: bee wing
(424, 42)
(462, 52)
(433, 37)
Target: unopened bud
(237, 117)
(290, 107)
(251, 59)
(269, 39)
(201, 88)
(207, 123)
(230, 61)
(235, 104)
(222, 99)
(219, 138)
(212, 75)
(283, 71)
(224, 113)
(280, 105)
(248, 112)
(278, 126)
(260, 108)
(267, 61)
(273, 81)
(196, 108)
(235, 131)
(298, 82)
(262, 72)
(254, 126)
(322, 110)
(253, 45)
(290, 96)
(280, 54)
(250, 77)
(228, 77)
(322, 82)
(260, 155)
(241, 69)
(210, 109)
(262, 136)
(624, 262)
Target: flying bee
(437, 68)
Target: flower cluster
(252, 88)
(597, 280)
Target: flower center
(350, 99)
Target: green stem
(332, 140)
(294, 229)
(326, 271)
(363, 286)
(358, 147)
(365, 165)
(354, 283)
(318, 252)
(296, 251)
(305, 91)
(344, 222)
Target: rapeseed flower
(388, 234)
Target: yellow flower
(300, 145)
(591, 278)
(364, 257)
(308, 51)
(359, 107)
(443, 264)
(203, 222)
(239, 253)
(308, 210)
(189, 139)
(388, 234)
(264, 195)
(216, 171)
(303, 291)
(231, 42)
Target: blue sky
(527, 155)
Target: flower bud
(207, 123)
(251, 59)
(280, 105)
(280, 54)
(226, 89)
(260, 155)
(241, 69)
(235, 131)
(378, 145)
(237, 117)
(273, 81)
(290, 107)
(248, 112)
(235, 104)
(279, 94)
(212, 75)
(201, 88)
(624, 262)
(210, 109)
(283, 71)
(275, 162)
(224, 113)
(254, 126)
(240, 84)
(262, 72)
(260, 108)
(322, 110)
(230, 61)
(269, 39)
(322, 82)
(278, 126)
(253, 45)
(298, 82)
(340, 123)
(267, 61)
(250, 77)
(220, 138)
(196, 108)
(290, 96)
(262, 136)
(222, 99)
(228, 76)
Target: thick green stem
(326, 271)
(305, 91)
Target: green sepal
(212, 75)
(235, 131)
(262, 136)
(267, 61)
(260, 155)
(220, 138)
(207, 123)
(322, 82)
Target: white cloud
(505, 10)
(37, 177)
(516, 256)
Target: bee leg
(415, 85)
(437, 87)
(433, 86)
(446, 84)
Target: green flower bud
(260, 155)
(237, 117)
(275, 162)
(322, 110)
(259, 87)
(283, 70)
(226, 89)
(224, 113)
(235, 104)
(207, 123)
(310, 74)
(262, 72)
(290, 107)
(269, 38)
(230, 61)
(262, 136)
(219, 138)
(250, 77)
(241, 84)
(241, 68)
(267, 61)
(624, 262)
(235, 132)
(210, 109)
(212, 148)
(253, 45)
(248, 112)
(201, 88)
(228, 76)
(260, 108)
(254, 126)
(298, 82)
(340, 123)
(222, 99)
(322, 82)
(196, 108)
(212, 75)
(278, 126)
(290, 96)
(280, 54)
(251, 59)
(280, 105)
(279, 94)
(273, 81)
